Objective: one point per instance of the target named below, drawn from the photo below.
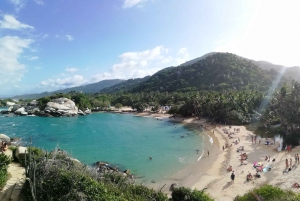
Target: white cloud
(73, 81)
(45, 36)
(133, 60)
(69, 37)
(40, 2)
(11, 47)
(33, 58)
(19, 4)
(143, 63)
(10, 22)
(71, 70)
(131, 3)
(132, 65)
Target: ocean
(123, 140)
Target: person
(150, 157)
(257, 175)
(229, 169)
(207, 153)
(232, 176)
(266, 158)
(249, 177)
(286, 163)
(4, 146)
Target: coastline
(211, 172)
(207, 169)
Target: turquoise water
(120, 139)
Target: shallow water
(120, 139)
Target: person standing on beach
(207, 153)
(232, 176)
(286, 163)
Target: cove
(123, 140)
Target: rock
(21, 152)
(5, 112)
(20, 110)
(33, 103)
(24, 113)
(8, 104)
(15, 107)
(173, 186)
(81, 113)
(87, 111)
(4, 138)
(64, 105)
(10, 108)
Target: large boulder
(33, 103)
(87, 111)
(4, 138)
(8, 104)
(62, 106)
(21, 152)
(20, 110)
(15, 107)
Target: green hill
(218, 71)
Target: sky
(46, 45)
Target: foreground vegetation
(4, 162)
(268, 193)
(55, 176)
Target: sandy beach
(210, 172)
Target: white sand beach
(210, 172)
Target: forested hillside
(220, 71)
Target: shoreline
(207, 169)
(213, 174)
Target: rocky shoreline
(55, 108)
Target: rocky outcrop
(8, 104)
(55, 108)
(4, 138)
(61, 107)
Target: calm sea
(123, 140)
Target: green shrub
(4, 162)
(186, 194)
(57, 177)
(268, 193)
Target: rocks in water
(8, 104)
(61, 107)
(81, 113)
(21, 152)
(87, 111)
(54, 108)
(20, 110)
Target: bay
(123, 140)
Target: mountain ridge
(117, 85)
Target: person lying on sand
(229, 169)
